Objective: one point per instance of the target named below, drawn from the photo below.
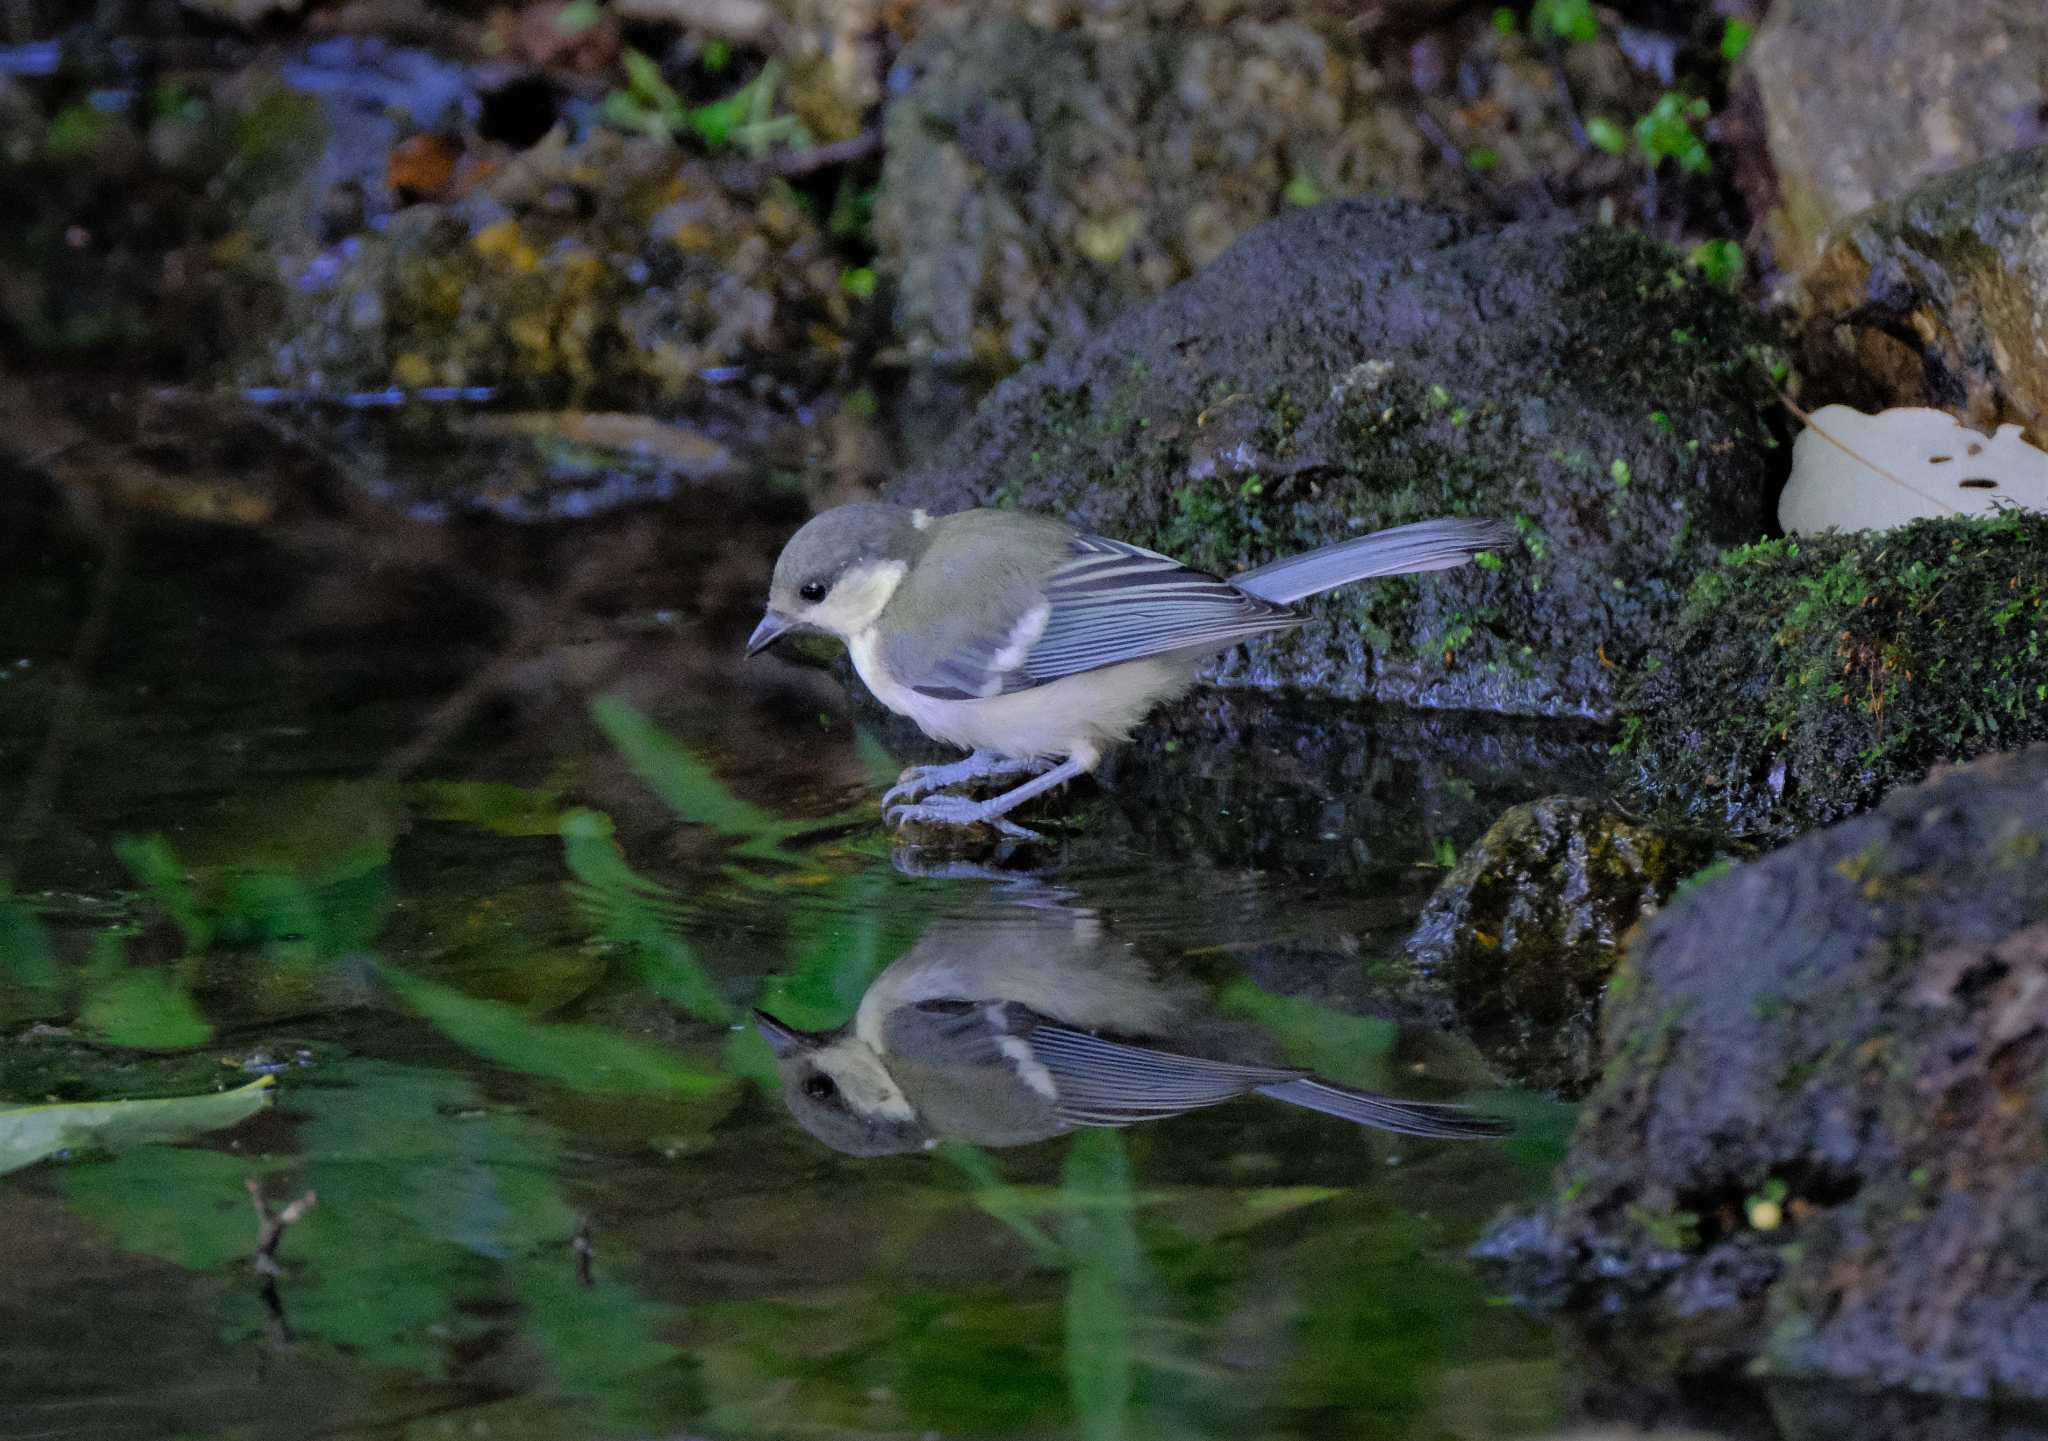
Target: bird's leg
(917, 782)
(947, 810)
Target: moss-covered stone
(613, 271)
(1940, 297)
(1820, 1143)
(1524, 932)
(1805, 677)
(1364, 363)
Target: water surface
(474, 833)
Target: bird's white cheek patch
(858, 598)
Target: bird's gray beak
(785, 1041)
(773, 627)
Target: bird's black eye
(813, 591)
(820, 1088)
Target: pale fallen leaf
(691, 452)
(1853, 471)
(29, 1133)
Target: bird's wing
(1101, 1082)
(1113, 602)
(991, 625)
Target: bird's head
(841, 1091)
(837, 573)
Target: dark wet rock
(1806, 677)
(1940, 297)
(610, 271)
(1523, 933)
(1867, 99)
(1364, 363)
(1818, 1147)
(1050, 163)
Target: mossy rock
(1805, 677)
(611, 272)
(1819, 1147)
(1364, 363)
(1524, 932)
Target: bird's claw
(914, 784)
(917, 782)
(957, 811)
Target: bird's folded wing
(1105, 603)
(1101, 1082)
(1114, 602)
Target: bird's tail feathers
(1426, 545)
(1386, 1113)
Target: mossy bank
(1363, 363)
(1808, 676)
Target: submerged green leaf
(29, 1133)
(145, 1009)
(1105, 1259)
(25, 960)
(639, 913)
(1352, 1049)
(583, 1058)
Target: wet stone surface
(1818, 1144)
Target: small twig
(270, 1228)
(813, 158)
(586, 1252)
(1555, 54)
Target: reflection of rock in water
(1520, 938)
(1021, 1024)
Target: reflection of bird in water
(1025, 1023)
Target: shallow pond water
(485, 852)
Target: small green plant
(745, 120)
(1443, 852)
(1569, 20)
(1667, 133)
(1719, 262)
(1735, 38)
(1604, 134)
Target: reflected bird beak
(784, 1040)
(773, 627)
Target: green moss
(1807, 676)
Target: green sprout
(1570, 20)
(1719, 261)
(1667, 133)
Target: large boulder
(1820, 1146)
(1052, 161)
(1806, 677)
(1940, 298)
(1363, 363)
(1865, 99)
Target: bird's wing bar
(1113, 1083)
(1114, 602)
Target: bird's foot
(917, 782)
(958, 812)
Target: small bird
(1019, 1026)
(1037, 646)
